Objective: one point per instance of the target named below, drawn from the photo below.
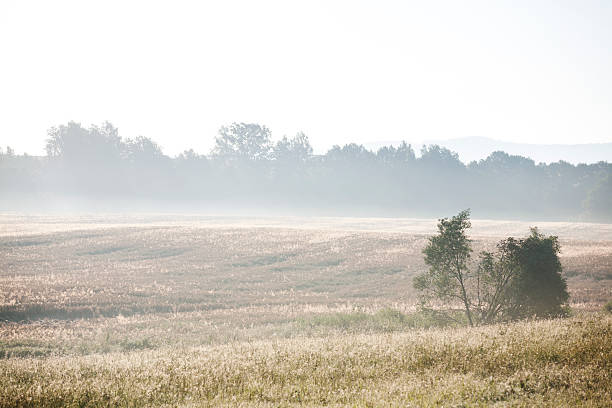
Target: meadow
(170, 310)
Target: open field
(154, 310)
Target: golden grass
(543, 363)
(213, 311)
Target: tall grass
(544, 363)
(161, 314)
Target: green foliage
(495, 276)
(447, 255)
(521, 279)
(608, 307)
(540, 290)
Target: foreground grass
(54, 338)
(544, 363)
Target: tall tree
(75, 144)
(142, 150)
(243, 141)
(447, 255)
(292, 151)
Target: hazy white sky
(341, 71)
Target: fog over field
(264, 275)
(275, 203)
(95, 169)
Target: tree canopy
(447, 255)
(522, 278)
(243, 141)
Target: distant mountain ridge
(477, 148)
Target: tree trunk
(465, 300)
(467, 306)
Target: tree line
(247, 169)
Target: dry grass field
(159, 310)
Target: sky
(340, 71)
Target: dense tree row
(247, 170)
